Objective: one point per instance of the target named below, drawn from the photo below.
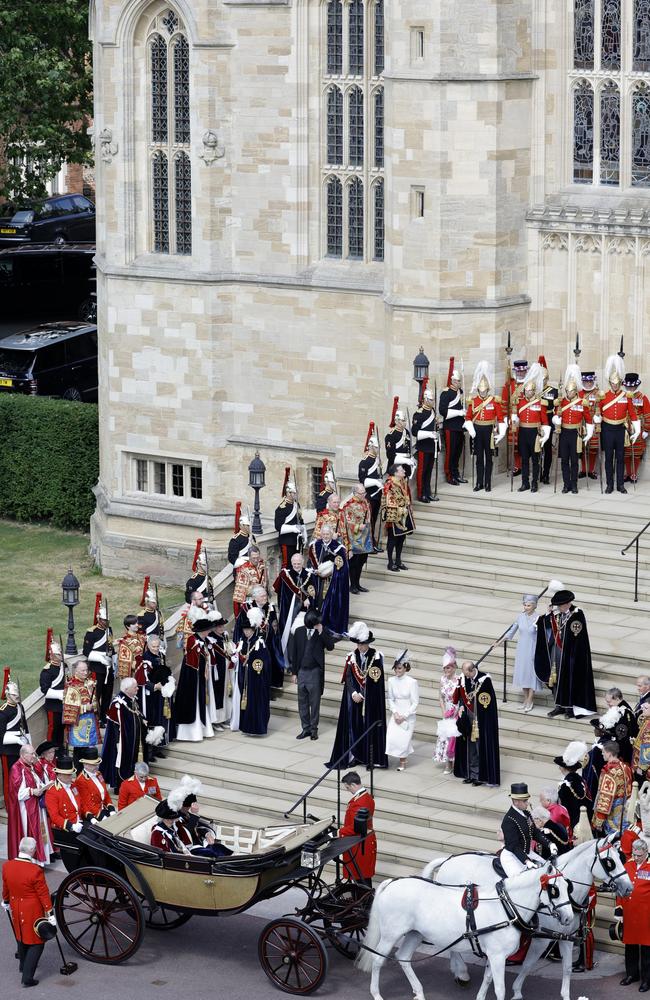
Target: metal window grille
(610, 134)
(355, 40)
(378, 195)
(160, 188)
(334, 126)
(160, 477)
(610, 53)
(170, 20)
(196, 482)
(141, 475)
(158, 89)
(334, 217)
(379, 37)
(316, 482)
(181, 90)
(641, 40)
(641, 137)
(583, 134)
(183, 186)
(178, 480)
(355, 125)
(355, 219)
(583, 34)
(379, 127)
(335, 37)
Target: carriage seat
(498, 867)
(142, 832)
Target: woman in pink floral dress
(447, 732)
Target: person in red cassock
(359, 863)
(26, 813)
(26, 898)
(636, 919)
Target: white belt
(369, 483)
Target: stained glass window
(183, 186)
(355, 219)
(355, 40)
(379, 37)
(583, 134)
(610, 134)
(583, 34)
(334, 217)
(334, 126)
(641, 37)
(355, 126)
(378, 197)
(641, 137)
(610, 52)
(181, 90)
(158, 89)
(170, 21)
(160, 187)
(335, 37)
(379, 127)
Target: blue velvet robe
(254, 677)
(333, 594)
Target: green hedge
(49, 460)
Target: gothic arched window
(334, 126)
(641, 136)
(355, 218)
(610, 134)
(583, 34)
(378, 229)
(610, 57)
(334, 217)
(355, 38)
(335, 37)
(169, 85)
(355, 125)
(641, 36)
(379, 37)
(379, 127)
(583, 134)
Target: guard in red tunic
(484, 416)
(590, 451)
(26, 897)
(534, 428)
(62, 799)
(359, 863)
(636, 919)
(94, 799)
(634, 452)
(615, 409)
(512, 390)
(575, 426)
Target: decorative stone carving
(555, 241)
(107, 147)
(621, 244)
(585, 243)
(213, 148)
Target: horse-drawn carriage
(118, 885)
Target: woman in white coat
(403, 697)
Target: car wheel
(60, 239)
(72, 394)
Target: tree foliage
(45, 92)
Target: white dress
(403, 697)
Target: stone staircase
(469, 562)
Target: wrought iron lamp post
(70, 588)
(257, 482)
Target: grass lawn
(34, 561)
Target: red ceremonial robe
(364, 855)
(131, 790)
(25, 888)
(636, 907)
(26, 813)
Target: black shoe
(546, 480)
(452, 482)
(363, 590)
(523, 488)
(566, 489)
(459, 479)
(477, 783)
(31, 982)
(628, 980)
(467, 781)
(627, 479)
(578, 967)
(393, 567)
(533, 488)
(302, 736)
(643, 988)
(478, 487)
(621, 489)
(314, 736)
(379, 548)
(517, 472)
(354, 590)
(582, 475)
(570, 714)
(592, 475)
(402, 565)
(423, 500)
(558, 710)
(575, 490)
(488, 488)
(609, 489)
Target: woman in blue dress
(524, 675)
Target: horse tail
(428, 870)
(366, 956)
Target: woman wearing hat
(524, 675)
(403, 698)
(447, 731)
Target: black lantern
(70, 589)
(420, 367)
(257, 482)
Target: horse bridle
(608, 864)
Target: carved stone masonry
(213, 149)
(107, 148)
(555, 241)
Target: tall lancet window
(170, 169)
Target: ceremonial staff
(621, 354)
(559, 432)
(509, 464)
(576, 353)
(462, 387)
(436, 440)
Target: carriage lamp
(310, 855)
(70, 589)
(420, 367)
(257, 482)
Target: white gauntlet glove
(589, 430)
(557, 420)
(469, 427)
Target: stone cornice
(573, 218)
(410, 77)
(262, 443)
(456, 305)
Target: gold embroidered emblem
(484, 699)
(311, 590)
(576, 627)
(258, 665)
(374, 673)
(338, 562)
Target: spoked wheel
(292, 956)
(100, 915)
(164, 918)
(346, 926)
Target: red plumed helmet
(48, 643)
(145, 588)
(287, 473)
(392, 416)
(425, 382)
(542, 361)
(98, 601)
(323, 470)
(237, 516)
(197, 550)
(371, 428)
(5, 680)
(450, 371)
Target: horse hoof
(461, 982)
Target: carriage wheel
(164, 918)
(347, 930)
(292, 956)
(100, 915)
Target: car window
(46, 211)
(64, 206)
(81, 348)
(15, 362)
(24, 217)
(82, 204)
(50, 357)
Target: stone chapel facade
(294, 196)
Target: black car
(65, 218)
(56, 359)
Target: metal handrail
(335, 767)
(635, 542)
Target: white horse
(596, 859)
(413, 910)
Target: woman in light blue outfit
(525, 676)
